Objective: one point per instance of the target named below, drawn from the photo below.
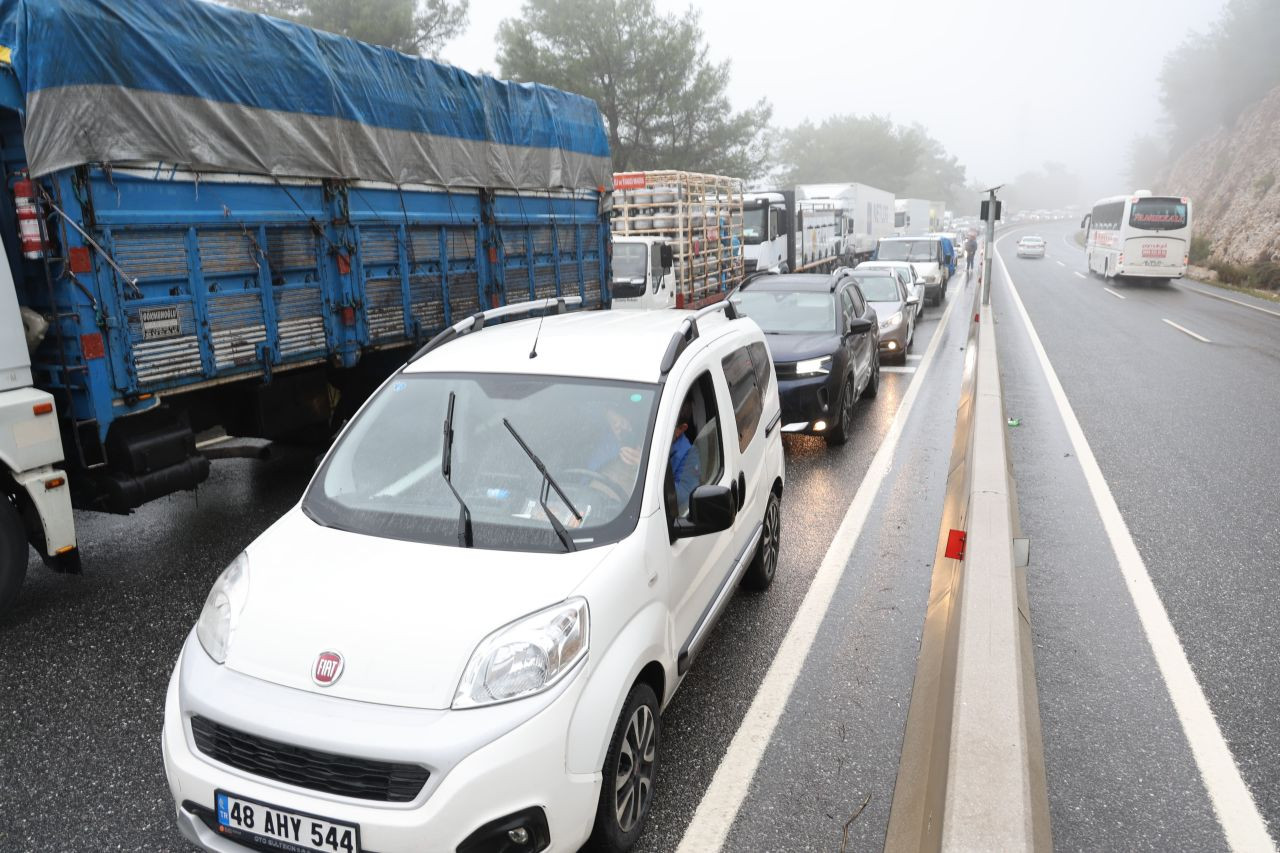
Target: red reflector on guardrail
(955, 545)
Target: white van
(463, 636)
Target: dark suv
(824, 338)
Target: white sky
(1004, 84)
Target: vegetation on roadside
(409, 26)
(663, 100)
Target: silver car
(907, 274)
(895, 308)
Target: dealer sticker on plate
(283, 829)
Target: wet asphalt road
(1184, 433)
(84, 660)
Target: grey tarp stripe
(72, 125)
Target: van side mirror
(712, 508)
(667, 257)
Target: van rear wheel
(764, 564)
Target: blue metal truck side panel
(237, 278)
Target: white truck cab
(643, 273)
(35, 500)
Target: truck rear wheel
(13, 553)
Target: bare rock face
(1233, 180)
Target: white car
(462, 637)
(925, 255)
(1031, 247)
(906, 273)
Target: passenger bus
(1139, 236)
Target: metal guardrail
(971, 775)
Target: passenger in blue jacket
(686, 466)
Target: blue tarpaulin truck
(216, 220)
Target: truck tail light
(31, 225)
(348, 315)
(42, 408)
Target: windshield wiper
(446, 468)
(548, 483)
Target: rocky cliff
(1233, 179)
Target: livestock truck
(195, 252)
(864, 214)
(785, 233)
(677, 239)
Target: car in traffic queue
(1031, 246)
(463, 636)
(906, 273)
(926, 255)
(824, 338)
(895, 307)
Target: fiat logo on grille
(328, 669)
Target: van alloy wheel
(633, 783)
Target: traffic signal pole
(991, 208)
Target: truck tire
(13, 553)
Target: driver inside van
(617, 451)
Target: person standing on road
(970, 250)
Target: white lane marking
(1229, 299)
(1187, 331)
(1060, 263)
(1077, 272)
(1241, 822)
(899, 368)
(913, 357)
(1113, 293)
(724, 796)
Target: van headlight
(813, 366)
(217, 623)
(526, 657)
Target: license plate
(282, 829)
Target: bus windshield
(1158, 214)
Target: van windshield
(383, 478)
(907, 250)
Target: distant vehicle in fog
(1031, 247)
(1138, 236)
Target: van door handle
(773, 423)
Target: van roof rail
(752, 276)
(688, 331)
(476, 322)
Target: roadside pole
(991, 212)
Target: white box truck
(677, 239)
(785, 233)
(864, 215)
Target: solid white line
(1187, 331)
(1241, 822)
(720, 804)
(899, 368)
(1229, 299)
(1077, 272)
(1113, 293)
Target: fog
(1005, 85)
